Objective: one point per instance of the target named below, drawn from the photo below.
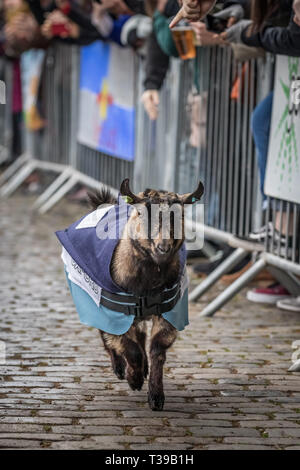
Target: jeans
(261, 125)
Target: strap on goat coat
(87, 258)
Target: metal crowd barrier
(55, 148)
(6, 118)
(50, 148)
(221, 152)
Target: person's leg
(261, 126)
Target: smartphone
(58, 29)
(217, 25)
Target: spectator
(266, 29)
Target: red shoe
(268, 295)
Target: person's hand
(193, 10)
(150, 100)
(46, 29)
(98, 10)
(232, 14)
(234, 33)
(22, 27)
(205, 37)
(296, 8)
(9, 31)
(57, 17)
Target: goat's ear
(129, 196)
(191, 198)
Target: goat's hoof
(119, 369)
(136, 382)
(120, 373)
(156, 401)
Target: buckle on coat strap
(142, 310)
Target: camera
(215, 24)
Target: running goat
(121, 278)
(146, 267)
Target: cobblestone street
(226, 379)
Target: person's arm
(277, 40)
(232, 12)
(157, 64)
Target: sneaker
(268, 295)
(261, 234)
(267, 231)
(291, 304)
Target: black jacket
(157, 62)
(278, 39)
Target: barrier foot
(17, 179)
(13, 168)
(288, 280)
(209, 251)
(238, 255)
(63, 190)
(57, 183)
(295, 367)
(233, 289)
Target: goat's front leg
(134, 355)
(163, 335)
(125, 351)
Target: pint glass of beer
(185, 42)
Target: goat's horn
(195, 196)
(126, 191)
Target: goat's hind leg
(163, 335)
(113, 348)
